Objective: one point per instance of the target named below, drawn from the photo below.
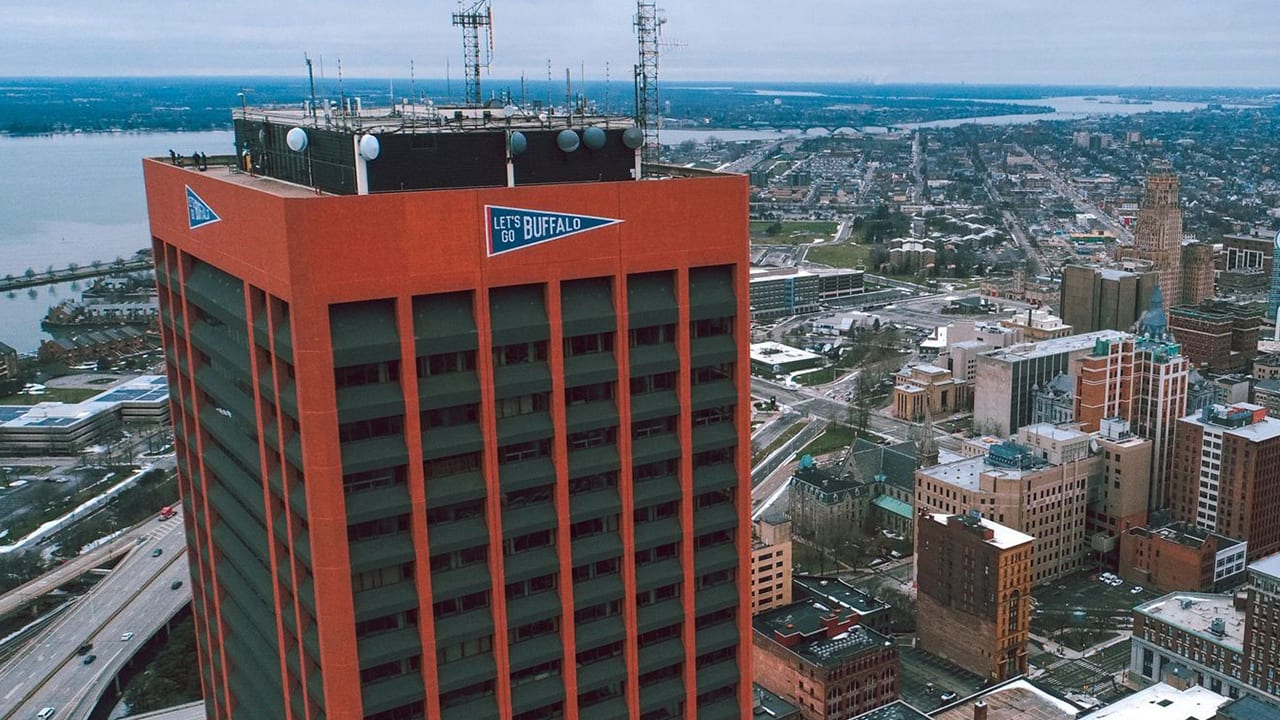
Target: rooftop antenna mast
(648, 24)
(471, 18)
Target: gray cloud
(1125, 42)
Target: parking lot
(1084, 601)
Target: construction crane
(471, 18)
(648, 23)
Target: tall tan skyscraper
(1158, 237)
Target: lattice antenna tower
(648, 23)
(471, 18)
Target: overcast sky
(1119, 42)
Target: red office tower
(461, 420)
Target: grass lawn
(844, 255)
(794, 232)
(836, 437)
(816, 377)
(66, 395)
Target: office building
(1143, 380)
(770, 562)
(1158, 235)
(1165, 702)
(1005, 379)
(1197, 273)
(773, 358)
(1273, 298)
(1038, 485)
(974, 593)
(1218, 335)
(1181, 556)
(68, 429)
(778, 292)
(1118, 497)
(827, 655)
(460, 418)
(1225, 471)
(1227, 643)
(1106, 298)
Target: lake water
(79, 198)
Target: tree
(774, 229)
(862, 402)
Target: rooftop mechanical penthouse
(460, 412)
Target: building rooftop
(1196, 612)
(1164, 702)
(1001, 536)
(769, 706)
(821, 634)
(1018, 699)
(831, 591)
(1240, 419)
(1249, 708)
(1269, 565)
(1055, 346)
(142, 390)
(776, 353)
(1186, 534)
(897, 710)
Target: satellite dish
(510, 110)
(296, 139)
(593, 138)
(567, 140)
(262, 135)
(369, 147)
(517, 143)
(633, 137)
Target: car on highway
(89, 659)
(83, 649)
(175, 585)
(45, 714)
(126, 637)
(157, 552)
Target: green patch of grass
(844, 255)
(836, 437)
(793, 232)
(816, 377)
(66, 395)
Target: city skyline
(1123, 44)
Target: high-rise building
(1005, 379)
(460, 419)
(1226, 463)
(1273, 312)
(1142, 380)
(974, 579)
(1038, 485)
(1197, 273)
(1218, 335)
(1106, 298)
(1158, 235)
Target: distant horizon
(672, 83)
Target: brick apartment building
(1220, 335)
(770, 562)
(1181, 556)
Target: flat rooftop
(1194, 612)
(1016, 700)
(409, 118)
(1003, 537)
(1269, 566)
(1164, 702)
(1055, 346)
(1256, 431)
(897, 710)
(142, 390)
(816, 644)
(828, 591)
(775, 352)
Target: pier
(74, 272)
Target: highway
(1077, 198)
(135, 597)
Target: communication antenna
(648, 24)
(311, 78)
(471, 18)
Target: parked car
(1135, 590)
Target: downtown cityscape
(685, 388)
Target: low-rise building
(778, 292)
(54, 428)
(926, 390)
(8, 363)
(1164, 702)
(1181, 556)
(821, 658)
(825, 504)
(1016, 699)
(769, 359)
(1037, 325)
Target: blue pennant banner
(199, 213)
(508, 228)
